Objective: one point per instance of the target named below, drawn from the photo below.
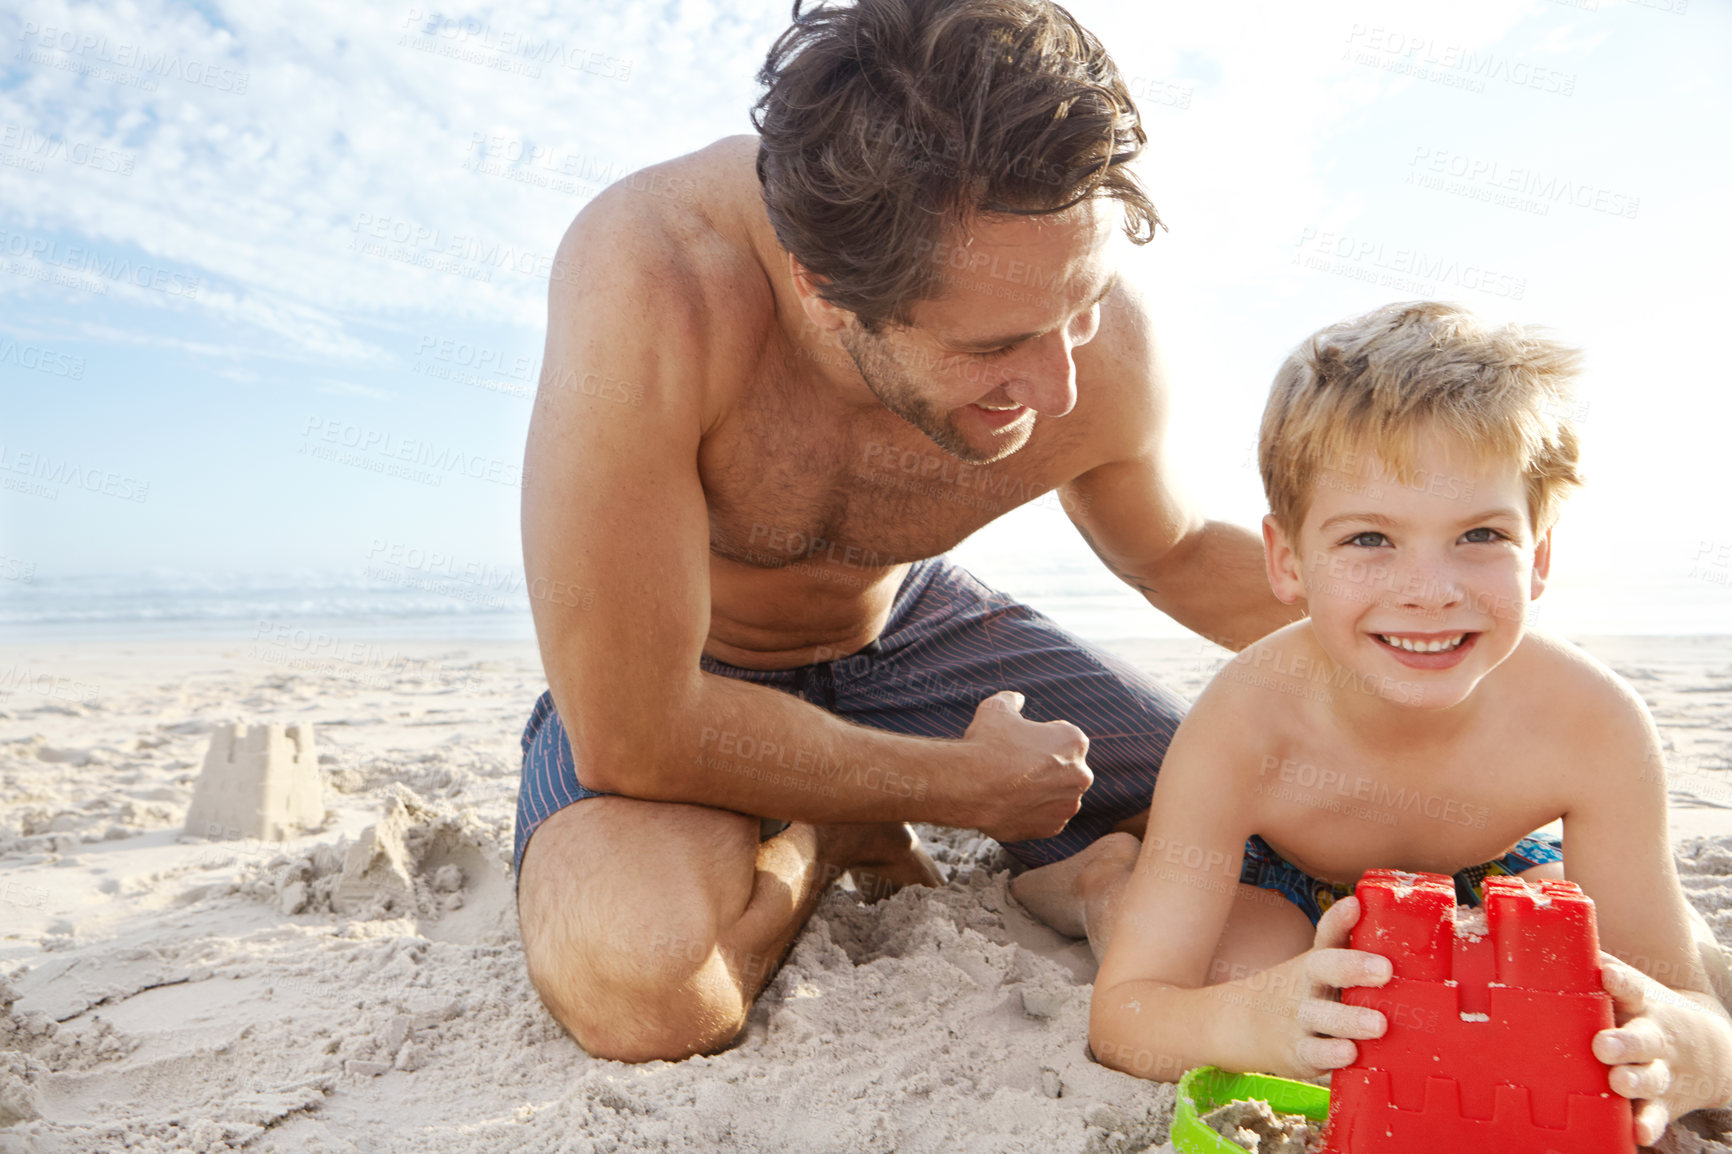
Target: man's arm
(1207, 575)
(616, 554)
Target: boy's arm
(1673, 1044)
(1153, 1013)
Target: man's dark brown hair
(888, 123)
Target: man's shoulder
(670, 243)
(1120, 377)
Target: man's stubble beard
(897, 391)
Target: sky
(273, 277)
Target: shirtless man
(785, 374)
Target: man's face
(994, 349)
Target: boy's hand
(1324, 1026)
(1668, 1053)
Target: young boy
(1414, 462)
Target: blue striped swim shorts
(950, 643)
(1268, 870)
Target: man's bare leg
(650, 927)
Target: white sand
(169, 995)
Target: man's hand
(1324, 1027)
(1034, 773)
(1668, 1053)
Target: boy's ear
(1281, 560)
(1542, 564)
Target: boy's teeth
(1415, 646)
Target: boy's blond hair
(1381, 382)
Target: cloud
(318, 166)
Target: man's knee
(648, 1016)
(628, 964)
(660, 993)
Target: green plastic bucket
(1206, 1087)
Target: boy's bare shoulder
(1263, 694)
(1579, 696)
(1279, 671)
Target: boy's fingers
(1333, 928)
(1652, 1118)
(1322, 1054)
(1341, 1021)
(1637, 1041)
(1343, 968)
(1625, 984)
(1648, 1080)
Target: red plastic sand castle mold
(1489, 1045)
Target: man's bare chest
(786, 482)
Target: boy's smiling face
(1421, 581)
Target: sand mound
(423, 861)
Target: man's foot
(1079, 896)
(881, 857)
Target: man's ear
(820, 313)
(1542, 564)
(1281, 559)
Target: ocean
(492, 603)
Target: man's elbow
(619, 748)
(626, 762)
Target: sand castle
(258, 781)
